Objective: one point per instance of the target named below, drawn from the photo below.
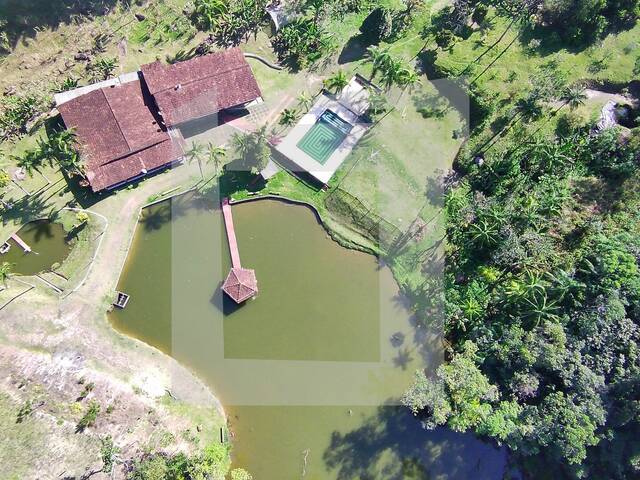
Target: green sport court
(324, 136)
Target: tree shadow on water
(155, 217)
(392, 445)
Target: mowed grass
(611, 59)
(394, 168)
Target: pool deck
(231, 233)
(357, 100)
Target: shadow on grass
(355, 49)
(25, 17)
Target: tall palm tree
(288, 117)
(31, 161)
(196, 153)
(215, 156)
(392, 72)
(574, 97)
(526, 108)
(61, 148)
(305, 101)
(407, 79)
(337, 81)
(6, 269)
(241, 143)
(379, 58)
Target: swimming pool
(325, 136)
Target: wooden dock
(241, 283)
(231, 233)
(20, 242)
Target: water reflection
(392, 445)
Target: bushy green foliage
(302, 43)
(212, 463)
(59, 148)
(90, 416)
(542, 276)
(24, 411)
(102, 68)
(253, 148)
(229, 21)
(15, 112)
(240, 474)
(582, 21)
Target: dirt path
(48, 346)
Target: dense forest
(542, 282)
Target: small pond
(309, 371)
(48, 242)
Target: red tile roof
(119, 134)
(201, 86)
(241, 284)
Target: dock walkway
(231, 233)
(20, 242)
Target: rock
(140, 17)
(199, 428)
(10, 90)
(82, 56)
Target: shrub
(25, 411)
(90, 416)
(17, 110)
(302, 43)
(82, 218)
(240, 474)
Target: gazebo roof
(241, 284)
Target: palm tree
(574, 97)
(526, 109)
(6, 269)
(61, 148)
(288, 117)
(380, 58)
(392, 72)
(484, 232)
(31, 161)
(337, 81)
(215, 157)
(305, 101)
(540, 308)
(242, 144)
(196, 153)
(407, 79)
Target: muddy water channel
(309, 371)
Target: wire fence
(363, 218)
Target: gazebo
(241, 284)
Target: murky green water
(48, 243)
(304, 369)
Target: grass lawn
(394, 169)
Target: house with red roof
(128, 127)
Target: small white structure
(347, 108)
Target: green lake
(309, 371)
(48, 243)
